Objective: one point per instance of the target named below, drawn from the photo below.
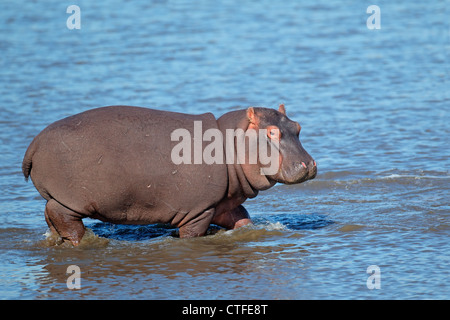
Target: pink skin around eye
(273, 132)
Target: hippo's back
(114, 163)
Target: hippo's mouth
(298, 174)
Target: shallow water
(373, 104)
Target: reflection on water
(225, 259)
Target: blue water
(373, 104)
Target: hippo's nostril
(304, 165)
(315, 164)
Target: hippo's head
(295, 164)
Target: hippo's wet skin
(114, 164)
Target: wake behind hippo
(132, 165)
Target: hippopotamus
(115, 164)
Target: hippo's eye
(273, 132)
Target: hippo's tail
(27, 159)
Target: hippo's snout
(310, 170)
(299, 172)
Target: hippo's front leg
(198, 226)
(232, 219)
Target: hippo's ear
(282, 109)
(251, 115)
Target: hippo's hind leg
(65, 222)
(232, 219)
